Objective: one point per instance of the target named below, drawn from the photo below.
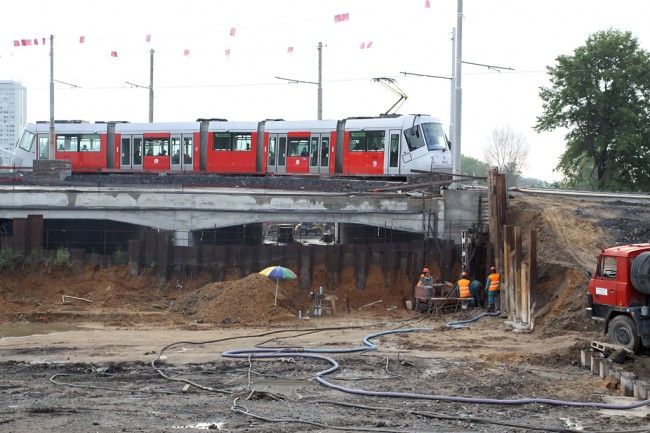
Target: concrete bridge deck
(188, 209)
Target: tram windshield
(434, 136)
(26, 141)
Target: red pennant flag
(82, 39)
(186, 52)
(43, 41)
(290, 50)
(16, 43)
(35, 41)
(148, 38)
(363, 45)
(341, 17)
(113, 53)
(233, 31)
(369, 44)
(25, 42)
(427, 4)
(227, 51)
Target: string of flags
(28, 42)
(338, 18)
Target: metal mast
(320, 81)
(458, 94)
(452, 107)
(52, 140)
(151, 86)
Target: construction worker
(492, 288)
(476, 288)
(423, 291)
(425, 278)
(463, 286)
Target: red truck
(619, 294)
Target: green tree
(472, 166)
(601, 93)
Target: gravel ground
(128, 395)
(270, 182)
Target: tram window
(272, 146)
(43, 147)
(313, 157)
(241, 142)
(298, 146)
(156, 146)
(414, 137)
(67, 143)
(434, 136)
(366, 141)
(325, 152)
(232, 141)
(26, 141)
(89, 143)
(394, 150)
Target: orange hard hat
(425, 270)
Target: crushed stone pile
(248, 301)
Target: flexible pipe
(316, 353)
(462, 323)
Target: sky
(406, 36)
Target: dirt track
(107, 347)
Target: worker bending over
(492, 287)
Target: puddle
(640, 412)
(21, 329)
(203, 426)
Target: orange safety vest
(495, 280)
(463, 288)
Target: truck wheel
(623, 332)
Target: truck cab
(619, 294)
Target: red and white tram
(381, 146)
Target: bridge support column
(183, 238)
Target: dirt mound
(249, 300)
(570, 234)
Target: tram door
(277, 160)
(319, 154)
(393, 152)
(182, 152)
(131, 152)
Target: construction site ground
(84, 366)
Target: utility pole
(458, 93)
(52, 139)
(319, 83)
(452, 107)
(151, 86)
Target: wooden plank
(532, 279)
(506, 275)
(517, 269)
(524, 298)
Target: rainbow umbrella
(278, 273)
